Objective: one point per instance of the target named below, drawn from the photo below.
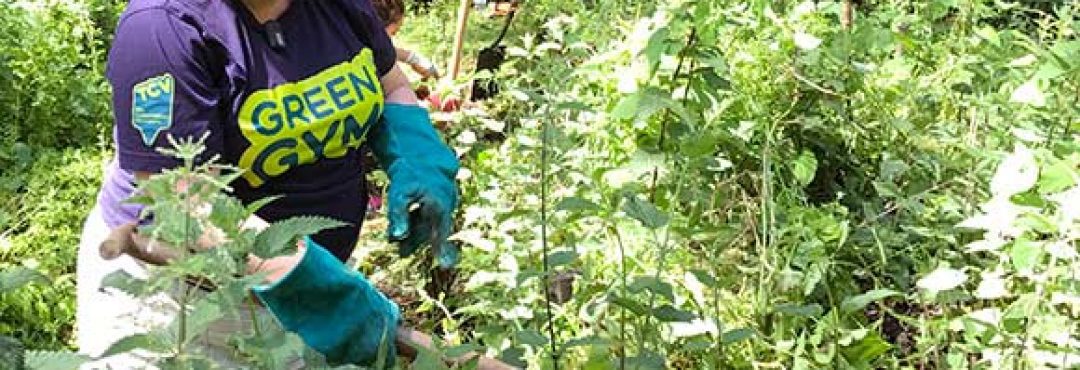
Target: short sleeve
(162, 85)
(379, 41)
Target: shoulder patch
(152, 106)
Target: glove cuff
(334, 310)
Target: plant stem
(622, 312)
(543, 241)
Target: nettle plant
(191, 209)
(1027, 277)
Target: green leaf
(531, 338)
(203, 313)
(856, 303)
(124, 282)
(1025, 254)
(644, 212)
(736, 335)
(153, 342)
(629, 304)
(259, 204)
(562, 258)
(627, 107)
(656, 45)
(810, 310)
(647, 361)
(706, 278)
(668, 313)
(462, 350)
(18, 277)
(866, 349)
(280, 236)
(804, 168)
(652, 284)
(1057, 176)
(54, 360)
(575, 204)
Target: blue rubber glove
(421, 168)
(334, 310)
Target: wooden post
(459, 38)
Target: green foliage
(39, 231)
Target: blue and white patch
(152, 107)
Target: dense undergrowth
(710, 184)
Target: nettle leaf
(706, 278)
(1056, 176)
(868, 348)
(18, 277)
(153, 342)
(280, 236)
(124, 282)
(804, 168)
(856, 303)
(228, 212)
(645, 212)
(737, 335)
(1025, 255)
(942, 279)
(462, 350)
(575, 204)
(54, 360)
(629, 304)
(531, 338)
(809, 311)
(652, 284)
(562, 258)
(668, 313)
(199, 317)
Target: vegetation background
(685, 184)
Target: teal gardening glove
(421, 168)
(334, 310)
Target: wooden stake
(846, 14)
(459, 38)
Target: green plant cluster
(737, 184)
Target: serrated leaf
(644, 212)
(531, 338)
(575, 204)
(462, 350)
(17, 277)
(629, 304)
(1025, 255)
(706, 278)
(1057, 176)
(203, 313)
(561, 258)
(868, 348)
(280, 236)
(810, 310)
(124, 282)
(736, 335)
(804, 168)
(228, 212)
(652, 284)
(54, 360)
(856, 303)
(942, 279)
(668, 313)
(647, 361)
(152, 342)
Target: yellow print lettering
(299, 123)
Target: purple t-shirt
(293, 116)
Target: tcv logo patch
(152, 106)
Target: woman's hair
(390, 11)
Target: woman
(289, 91)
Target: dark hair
(390, 11)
